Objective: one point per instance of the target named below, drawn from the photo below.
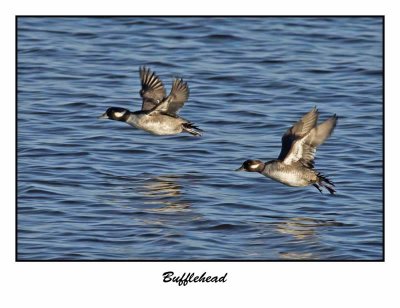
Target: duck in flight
(158, 115)
(295, 164)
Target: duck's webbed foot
(317, 187)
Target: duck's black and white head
(116, 113)
(252, 166)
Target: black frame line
(199, 16)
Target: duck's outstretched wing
(176, 99)
(297, 131)
(153, 91)
(300, 142)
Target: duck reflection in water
(164, 190)
(298, 227)
(302, 229)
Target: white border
(249, 284)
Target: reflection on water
(296, 255)
(164, 190)
(303, 229)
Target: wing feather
(297, 131)
(303, 147)
(153, 91)
(176, 99)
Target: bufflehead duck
(158, 115)
(295, 164)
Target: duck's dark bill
(103, 116)
(240, 169)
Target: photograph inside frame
(199, 138)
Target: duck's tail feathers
(326, 183)
(192, 129)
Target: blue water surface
(102, 190)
